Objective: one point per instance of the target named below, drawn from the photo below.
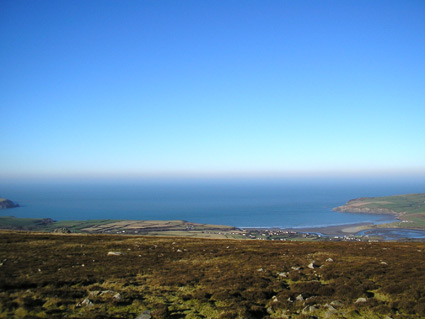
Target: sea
(277, 203)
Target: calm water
(394, 234)
(241, 203)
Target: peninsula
(5, 203)
(409, 209)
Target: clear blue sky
(119, 88)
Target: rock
(117, 296)
(312, 265)
(295, 268)
(179, 251)
(361, 300)
(145, 315)
(107, 292)
(329, 260)
(299, 298)
(61, 230)
(85, 303)
(115, 253)
(383, 263)
(274, 299)
(329, 307)
(94, 293)
(308, 309)
(283, 274)
(260, 269)
(330, 314)
(337, 303)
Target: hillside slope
(409, 208)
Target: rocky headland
(6, 203)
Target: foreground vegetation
(409, 208)
(116, 276)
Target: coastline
(338, 230)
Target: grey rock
(360, 300)
(94, 293)
(308, 310)
(330, 314)
(106, 292)
(115, 253)
(117, 296)
(312, 265)
(299, 298)
(85, 303)
(336, 303)
(61, 230)
(145, 315)
(329, 307)
(329, 260)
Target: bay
(236, 202)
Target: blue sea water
(238, 202)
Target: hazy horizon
(165, 89)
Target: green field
(409, 208)
(111, 226)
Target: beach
(338, 230)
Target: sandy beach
(338, 230)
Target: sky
(209, 88)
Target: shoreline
(335, 230)
(338, 230)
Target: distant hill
(5, 203)
(409, 208)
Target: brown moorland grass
(56, 276)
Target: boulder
(145, 315)
(361, 300)
(85, 303)
(61, 230)
(312, 265)
(309, 309)
(115, 253)
(337, 303)
(117, 296)
(330, 313)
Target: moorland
(47, 275)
